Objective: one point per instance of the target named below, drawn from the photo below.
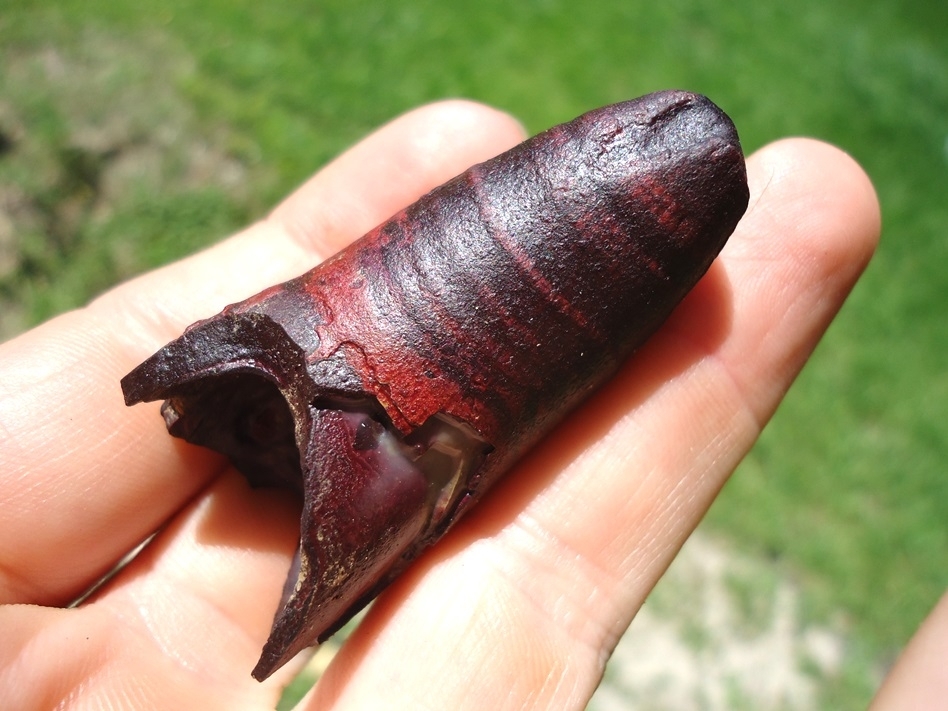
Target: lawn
(130, 136)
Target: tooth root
(364, 509)
(213, 347)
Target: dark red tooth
(419, 363)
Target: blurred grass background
(131, 135)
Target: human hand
(919, 679)
(521, 604)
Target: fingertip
(919, 680)
(477, 130)
(437, 141)
(823, 191)
(390, 168)
(809, 232)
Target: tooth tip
(203, 348)
(263, 670)
(276, 653)
(139, 385)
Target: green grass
(138, 135)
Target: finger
(83, 478)
(364, 186)
(180, 627)
(919, 679)
(534, 589)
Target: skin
(919, 680)
(531, 591)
